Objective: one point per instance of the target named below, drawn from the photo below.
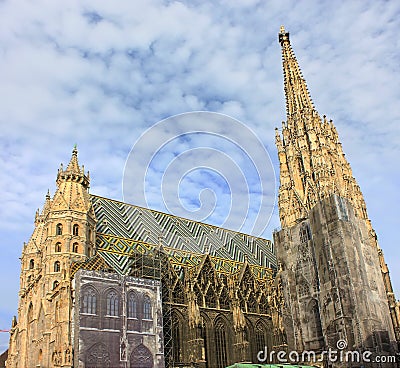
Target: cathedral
(109, 284)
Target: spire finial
(75, 150)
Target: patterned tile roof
(137, 228)
(120, 254)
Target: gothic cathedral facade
(109, 284)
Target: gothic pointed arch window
(31, 264)
(75, 248)
(260, 340)
(89, 301)
(55, 284)
(59, 229)
(112, 307)
(141, 357)
(221, 344)
(57, 247)
(147, 310)
(57, 266)
(132, 305)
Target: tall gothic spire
(297, 95)
(312, 163)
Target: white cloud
(99, 74)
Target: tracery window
(75, 248)
(112, 304)
(147, 308)
(59, 229)
(89, 301)
(57, 247)
(132, 305)
(220, 344)
(75, 230)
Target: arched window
(132, 305)
(31, 264)
(260, 337)
(147, 308)
(57, 247)
(59, 229)
(57, 266)
(75, 230)
(75, 248)
(220, 344)
(55, 284)
(112, 303)
(89, 301)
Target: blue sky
(100, 74)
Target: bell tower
(64, 232)
(336, 282)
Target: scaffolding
(148, 264)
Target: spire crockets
(312, 163)
(296, 92)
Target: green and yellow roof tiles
(120, 254)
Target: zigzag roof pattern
(146, 226)
(120, 254)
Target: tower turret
(64, 233)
